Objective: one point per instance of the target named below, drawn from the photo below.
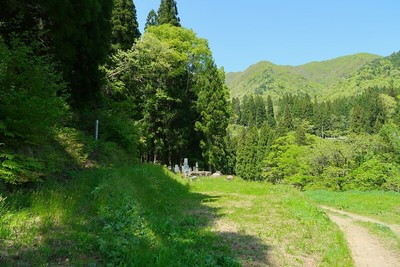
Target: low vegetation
(145, 216)
(285, 228)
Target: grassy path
(145, 216)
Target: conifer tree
(212, 105)
(245, 111)
(76, 33)
(152, 19)
(124, 25)
(286, 122)
(247, 161)
(270, 112)
(260, 111)
(236, 110)
(168, 13)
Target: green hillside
(315, 78)
(382, 73)
(266, 78)
(330, 71)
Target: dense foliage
(178, 94)
(349, 143)
(63, 66)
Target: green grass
(285, 229)
(144, 215)
(380, 205)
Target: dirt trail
(366, 249)
(395, 228)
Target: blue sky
(287, 32)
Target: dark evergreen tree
(152, 19)
(270, 112)
(260, 111)
(230, 154)
(265, 140)
(124, 25)
(245, 111)
(236, 113)
(76, 32)
(168, 13)
(286, 122)
(212, 105)
(247, 161)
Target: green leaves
(16, 169)
(29, 83)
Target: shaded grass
(383, 206)
(131, 216)
(296, 232)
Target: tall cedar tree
(76, 32)
(235, 119)
(248, 161)
(260, 111)
(270, 112)
(152, 19)
(213, 108)
(168, 13)
(286, 122)
(124, 25)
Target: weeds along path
(365, 248)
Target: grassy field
(383, 206)
(146, 216)
(274, 224)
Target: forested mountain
(330, 71)
(382, 73)
(315, 78)
(266, 78)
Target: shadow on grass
(133, 216)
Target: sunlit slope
(323, 78)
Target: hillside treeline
(347, 143)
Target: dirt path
(395, 228)
(365, 248)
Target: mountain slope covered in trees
(315, 78)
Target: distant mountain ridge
(325, 79)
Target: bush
(375, 174)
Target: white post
(97, 130)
